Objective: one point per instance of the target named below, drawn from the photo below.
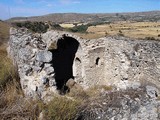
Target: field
(65, 25)
(129, 29)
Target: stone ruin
(47, 61)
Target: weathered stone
(44, 56)
(152, 92)
(26, 69)
(49, 70)
(120, 107)
(36, 68)
(116, 61)
(44, 80)
(25, 54)
(52, 82)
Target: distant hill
(100, 17)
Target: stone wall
(46, 61)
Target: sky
(26, 8)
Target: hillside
(4, 32)
(100, 17)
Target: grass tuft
(62, 108)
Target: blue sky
(16, 8)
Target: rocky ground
(133, 104)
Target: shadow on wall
(62, 61)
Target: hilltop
(96, 17)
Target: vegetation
(151, 38)
(6, 69)
(56, 27)
(39, 27)
(129, 29)
(83, 28)
(13, 105)
(4, 32)
(62, 108)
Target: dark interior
(97, 61)
(62, 61)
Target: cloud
(47, 3)
(67, 2)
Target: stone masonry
(46, 61)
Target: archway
(62, 60)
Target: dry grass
(7, 72)
(13, 105)
(67, 107)
(53, 46)
(96, 90)
(62, 108)
(4, 32)
(65, 25)
(129, 29)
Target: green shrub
(120, 34)
(56, 27)
(120, 31)
(39, 27)
(81, 28)
(150, 38)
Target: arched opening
(97, 61)
(62, 60)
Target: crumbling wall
(118, 61)
(40, 58)
(132, 60)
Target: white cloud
(47, 3)
(67, 2)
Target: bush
(120, 34)
(56, 27)
(81, 28)
(150, 38)
(39, 27)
